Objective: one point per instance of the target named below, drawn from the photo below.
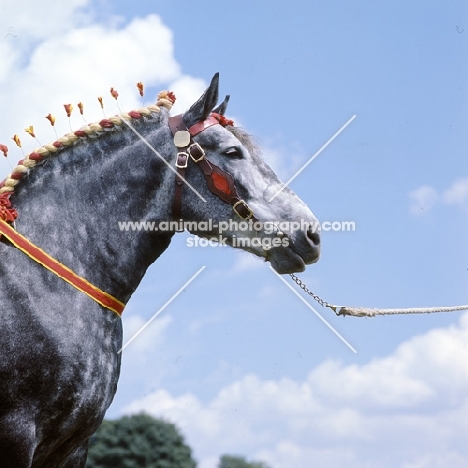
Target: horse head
(247, 205)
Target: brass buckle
(198, 148)
(182, 160)
(242, 202)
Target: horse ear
(204, 106)
(221, 109)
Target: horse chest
(64, 372)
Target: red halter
(220, 182)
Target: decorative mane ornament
(17, 140)
(30, 131)
(68, 109)
(140, 87)
(114, 93)
(51, 118)
(166, 99)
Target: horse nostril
(313, 236)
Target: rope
(372, 312)
(368, 312)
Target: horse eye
(233, 152)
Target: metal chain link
(322, 302)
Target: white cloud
(69, 58)
(28, 20)
(187, 90)
(457, 194)
(84, 63)
(406, 409)
(422, 199)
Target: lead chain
(322, 302)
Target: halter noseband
(219, 182)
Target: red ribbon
(7, 213)
(223, 121)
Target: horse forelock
(246, 139)
(84, 134)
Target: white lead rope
(370, 312)
(367, 312)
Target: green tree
(138, 441)
(234, 461)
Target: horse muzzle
(298, 249)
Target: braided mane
(7, 187)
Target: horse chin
(285, 261)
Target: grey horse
(59, 348)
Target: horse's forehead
(218, 136)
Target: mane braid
(92, 130)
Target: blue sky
(257, 373)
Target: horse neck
(71, 207)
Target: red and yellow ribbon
(44, 259)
